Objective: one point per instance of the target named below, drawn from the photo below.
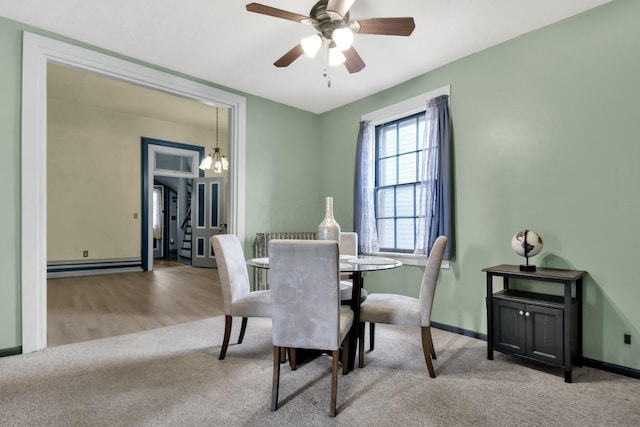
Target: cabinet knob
(521, 312)
(527, 314)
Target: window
(398, 153)
(402, 199)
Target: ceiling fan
(331, 20)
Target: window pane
(407, 170)
(405, 236)
(386, 203)
(388, 143)
(407, 136)
(386, 235)
(387, 174)
(173, 162)
(405, 201)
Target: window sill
(411, 259)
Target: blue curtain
(434, 197)
(364, 221)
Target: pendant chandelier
(215, 160)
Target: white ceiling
(219, 41)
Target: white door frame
(37, 52)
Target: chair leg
(292, 359)
(345, 354)
(227, 334)
(276, 378)
(372, 334)
(433, 349)
(334, 382)
(427, 348)
(243, 329)
(361, 345)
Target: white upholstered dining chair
(348, 248)
(305, 279)
(407, 311)
(238, 300)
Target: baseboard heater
(92, 267)
(260, 250)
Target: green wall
(545, 130)
(10, 69)
(545, 137)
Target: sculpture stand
(527, 267)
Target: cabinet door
(509, 326)
(545, 328)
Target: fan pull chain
(327, 76)
(325, 72)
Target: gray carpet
(172, 376)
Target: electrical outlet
(627, 338)
(85, 254)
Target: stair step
(185, 253)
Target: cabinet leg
(567, 375)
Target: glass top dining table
(348, 264)
(355, 267)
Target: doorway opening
(167, 167)
(38, 51)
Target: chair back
(304, 277)
(349, 243)
(430, 279)
(232, 268)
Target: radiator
(260, 246)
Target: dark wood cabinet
(547, 328)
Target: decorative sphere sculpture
(527, 243)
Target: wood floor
(92, 307)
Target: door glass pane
(156, 215)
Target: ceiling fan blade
(353, 63)
(286, 59)
(272, 11)
(385, 26)
(341, 7)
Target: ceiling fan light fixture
(311, 45)
(336, 57)
(343, 38)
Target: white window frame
(397, 111)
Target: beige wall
(94, 177)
